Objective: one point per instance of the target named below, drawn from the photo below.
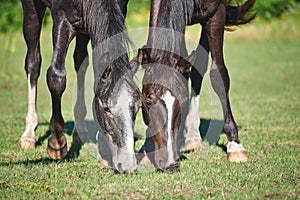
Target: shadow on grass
(68, 130)
(210, 131)
(73, 152)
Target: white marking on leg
(169, 101)
(31, 120)
(192, 122)
(234, 147)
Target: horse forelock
(159, 78)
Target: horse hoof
(237, 157)
(27, 143)
(193, 144)
(57, 149)
(57, 154)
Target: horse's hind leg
(33, 15)
(81, 63)
(191, 126)
(220, 83)
(56, 80)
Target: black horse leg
(33, 14)
(221, 83)
(191, 127)
(56, 80)
(81, 62)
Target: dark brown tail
(240, 14)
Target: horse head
(116, 102)
(164, 99)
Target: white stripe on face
(122, 108)
(169, 101)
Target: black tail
(240, 14)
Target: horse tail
(240, 14)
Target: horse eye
(106, 109)
(148, 103)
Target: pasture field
(265, 96)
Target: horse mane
(107, 30)
(177, 14)
(110, 43)
(170, 26)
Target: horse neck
(167, 24)
(105, 19)
(106, 26)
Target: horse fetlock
(27, 140)
(57, 146)
(80, 136)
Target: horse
(116, 99)
(164, 105)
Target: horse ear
(143, 56)
(105, 63)
(192, 58)
(185, 63)
(134, 65)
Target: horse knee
(32, 66)
(219, 78)
(56, 80)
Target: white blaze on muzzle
(169, 101)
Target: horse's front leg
(56, 80)
(190, 129)
(81, 62)
(33, 15)
(220, 83)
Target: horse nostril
(161, 163)
(129, 171)
(119, 167)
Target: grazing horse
(166, 47)
(116, 99)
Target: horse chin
(173, 167)
(117, 153)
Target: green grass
(265, 94)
